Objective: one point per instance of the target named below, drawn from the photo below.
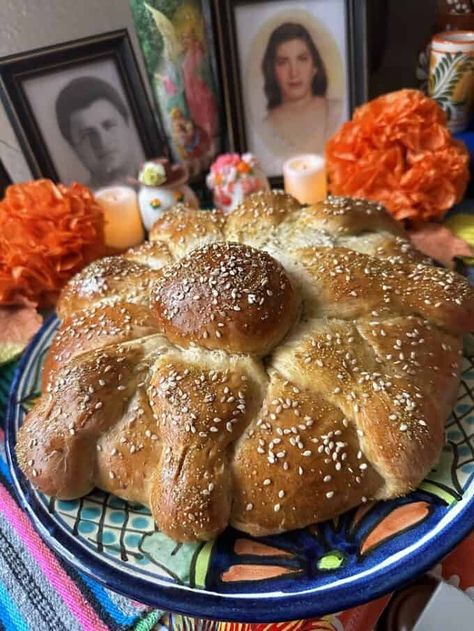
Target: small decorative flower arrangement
(162, 185)
(233, 177)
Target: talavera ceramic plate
(318, 570)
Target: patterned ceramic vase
(451, 79)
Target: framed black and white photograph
(292, 73)
(81, 111)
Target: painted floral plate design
(301, 574)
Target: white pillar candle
(123, 224)
(305, 178)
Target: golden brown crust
(201, 412)
(153, 254)
(255, 220)
(182, 229)
(348, 284)
(57, 445)
(299, 442)
(113, 279)
(346, 215)
(226, 296)
(395, 249)
(291, 414)
(399, 419)
(95, 328)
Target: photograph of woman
(295, 97)
(295, 84)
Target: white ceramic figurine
(162, 185)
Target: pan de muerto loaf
(267, 369)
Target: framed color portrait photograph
(80, 110)
(292, 73)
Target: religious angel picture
(176, 51)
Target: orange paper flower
(397, 150)
(47, 233)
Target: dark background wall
(398, 30)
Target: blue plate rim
(212, 606)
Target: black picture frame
(113, 45)
(223, 14)
(5, 179)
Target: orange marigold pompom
(397, 150)
(48, 232)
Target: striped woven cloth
(38, 592)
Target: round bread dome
(226, 296)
